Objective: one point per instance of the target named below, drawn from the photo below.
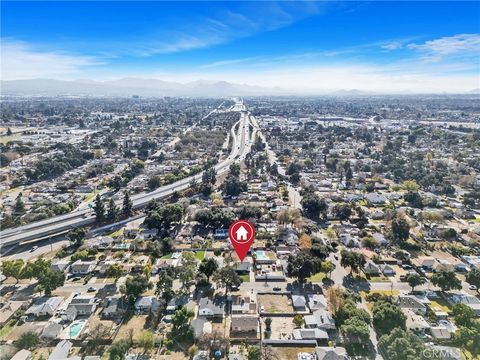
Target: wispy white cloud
(221, 28)
(393, 45)
(230, 62)
(463, 45)
(19, 60)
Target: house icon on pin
(242, 234)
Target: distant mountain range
(130, 87)
(155, 87)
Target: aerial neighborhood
(115, 224)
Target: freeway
(241, 138)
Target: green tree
(165, 287)
(188, 270)
(356, 261)
(76, 235)
(115, 271)
(313, 206)
(118, 350)
(254, 353)
(50, 280)
(233, 186)
(298, 320)
(400, 229)
(235, 169)
(208, 267)
(182, 331)
(112, 212)
(99, 209)
(387, 316)
(463, 315)
(467, 338)
(302, 266)
(402, 345)
(328, 267)
(13, 268)
(127, 207)
(145, 340)
(268, 323)
(414, 280)
(355, 330)
(28, 340)
(19, 208)
(446, 280)
(348, 309)
(473, 278)
(228, 278)
(135, 286)
(342, 211)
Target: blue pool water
(261, 255)
(76, 327)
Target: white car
(472, 287)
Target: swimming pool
(75, 328)
(261, 255)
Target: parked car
(276, 288)
(92, 289)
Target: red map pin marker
(242, 234)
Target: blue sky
(389, 46)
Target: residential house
(440, 332)
(375, 199)
(22, 355)
(316, 302)
(331, 353)
(387, 270)
(320, 319)
(84, 305)
(51, 331)
(140, 263)
(81, 267)
(211, 308)
(177, 303)
(61, 351)
(299, 302)
(114, 308)
(413, 303)
(44, 306)
(243, 305)
(59, 265)
(243, 268)
(244, 326)
(146, 304)
(9, 309)
(462, 298)
(310, 334)
(371, 268)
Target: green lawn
(379, 279)
(117, 233)
(167, 256)
(440, 305)
(245, 278)
(318, 277)
(5, 330)
(200, 255)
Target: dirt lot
(275, 303)
(134, 326)
(15, 334)
(281, 327)
(289, 353)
